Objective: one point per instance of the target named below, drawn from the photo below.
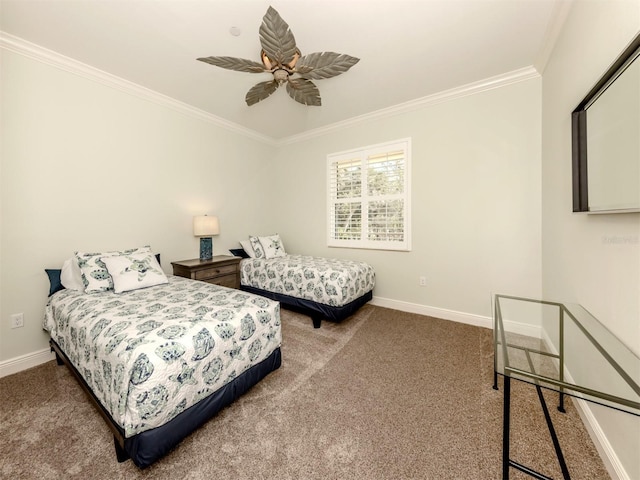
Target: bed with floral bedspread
(328, 288)
(162, 360)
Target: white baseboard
(461, 317)
(608, 455)
(455, 316)
(23, 362)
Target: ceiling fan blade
(232, 63)
(260, 91)
(304, 91)
(324, 64)
(276, 38)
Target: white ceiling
(408, 49)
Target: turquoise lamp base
(206, 248)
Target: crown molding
(491, 83)
(36, 52)
(20, 46)
(554, 29)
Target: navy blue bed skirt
(147, 447)
(317, 311)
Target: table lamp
(205, 227)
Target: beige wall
(593, 260)
(89, 167)
(475, 199)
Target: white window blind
(368, 197)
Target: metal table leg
(506, 430)
(506, 421)
(554, 437)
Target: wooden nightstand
(222, 270)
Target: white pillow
(131, 272)
(95, 276)
(71, 276)
(258, 251)
(246, 245)
(272, 246)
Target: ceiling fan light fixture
(281, 57)
(265, 60)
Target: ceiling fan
(282, 58)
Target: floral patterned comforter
(149, 354)
(329, 281)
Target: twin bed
(160, 360)
(322, 288)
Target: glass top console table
(560, 347)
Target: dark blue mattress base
(317, 311)
(147, 447)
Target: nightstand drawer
(213, 272)
(221, 270)
(230, 281)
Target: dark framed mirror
(606, 140)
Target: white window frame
(361, 155)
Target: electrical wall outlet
(422, 281)
(17, 320)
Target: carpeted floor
(383, 395)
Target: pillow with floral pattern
(258, 250)
(272, 246)
(131, 272)
(95, 275)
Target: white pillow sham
(246, 246)
(272, 246)
(131, 272)
(71, 275)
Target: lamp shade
(205, 226)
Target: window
(369, 197)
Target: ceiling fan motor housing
(281, 75)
